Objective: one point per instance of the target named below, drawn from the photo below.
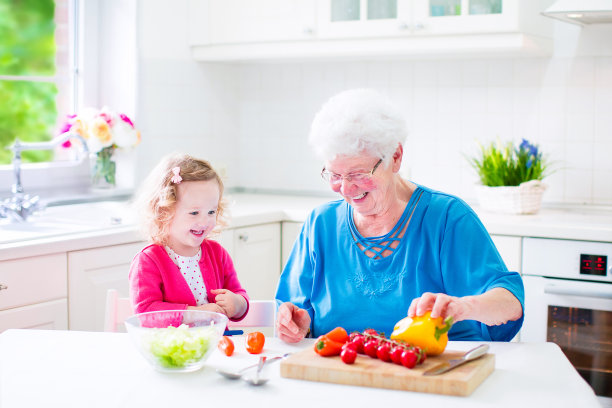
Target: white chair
(262, 314)
(117, 310)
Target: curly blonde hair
(157, 197)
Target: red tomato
(370, 347)
(396, 354)
(371, 332)
(358, 340)
(409, 358)
(382, 352)
(255, 342)
(226, 345)
(349, 345)
(348, 355)
(422, 355)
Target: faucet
(20, 206)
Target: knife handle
(476, 352)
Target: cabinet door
(32, 280)
(363, 18)
(510, 250)
(239, 21)
(51, 315)
(91, 273)
(257, 259)
(465, 16)
(289, 232)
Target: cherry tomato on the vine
(409, 358)
(370, 348)
(382, 352)
(396, 354)
(348, 355)
(255, 342)
(358, 341)
(226, 345)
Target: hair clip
(176, 178)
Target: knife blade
(473, 354)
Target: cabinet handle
(308, 30)
(243, 237)
(403, 26)
(2, 286)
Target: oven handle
(553, 289)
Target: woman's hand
(494, 307)
(232, 304)
(292, 323)
(441, 305)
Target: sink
(69, 219)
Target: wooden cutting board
(370, 372)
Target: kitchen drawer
(51, 315)
(32, 280)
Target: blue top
(445, 249)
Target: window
(36, 80)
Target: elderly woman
(389, 247)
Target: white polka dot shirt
(190, 269)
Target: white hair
(355, 122)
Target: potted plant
(511, 177)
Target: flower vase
(525, 198)
(103, 169)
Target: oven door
(576, 315)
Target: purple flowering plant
(506, 165)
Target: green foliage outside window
(27, 48)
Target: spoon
(257, 380)
(234, 375)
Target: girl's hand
(209, 307)
(232, 304)
(292, 323)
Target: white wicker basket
(525, 198)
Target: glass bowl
(176, 340)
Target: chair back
(262, 314)
(117, 310)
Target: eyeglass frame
(327, 175)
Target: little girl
(181, 205)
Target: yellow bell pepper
(429, 334)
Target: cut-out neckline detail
(384, 245)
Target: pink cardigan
(156, 282)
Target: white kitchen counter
(58, 368)
(579, 223)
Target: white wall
(253, 119)
(184, 106)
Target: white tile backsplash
(449, 106)
(252, 119)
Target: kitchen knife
(450, 364)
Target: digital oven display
(593, 264)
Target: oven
(568, 301)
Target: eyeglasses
(357, 178)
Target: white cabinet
(256, 253)
(234, 30)
(91, 272)
(33, 293)
(509, 248)
(239, 21)
(257, 259)
(289, 233)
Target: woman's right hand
(292, 323)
